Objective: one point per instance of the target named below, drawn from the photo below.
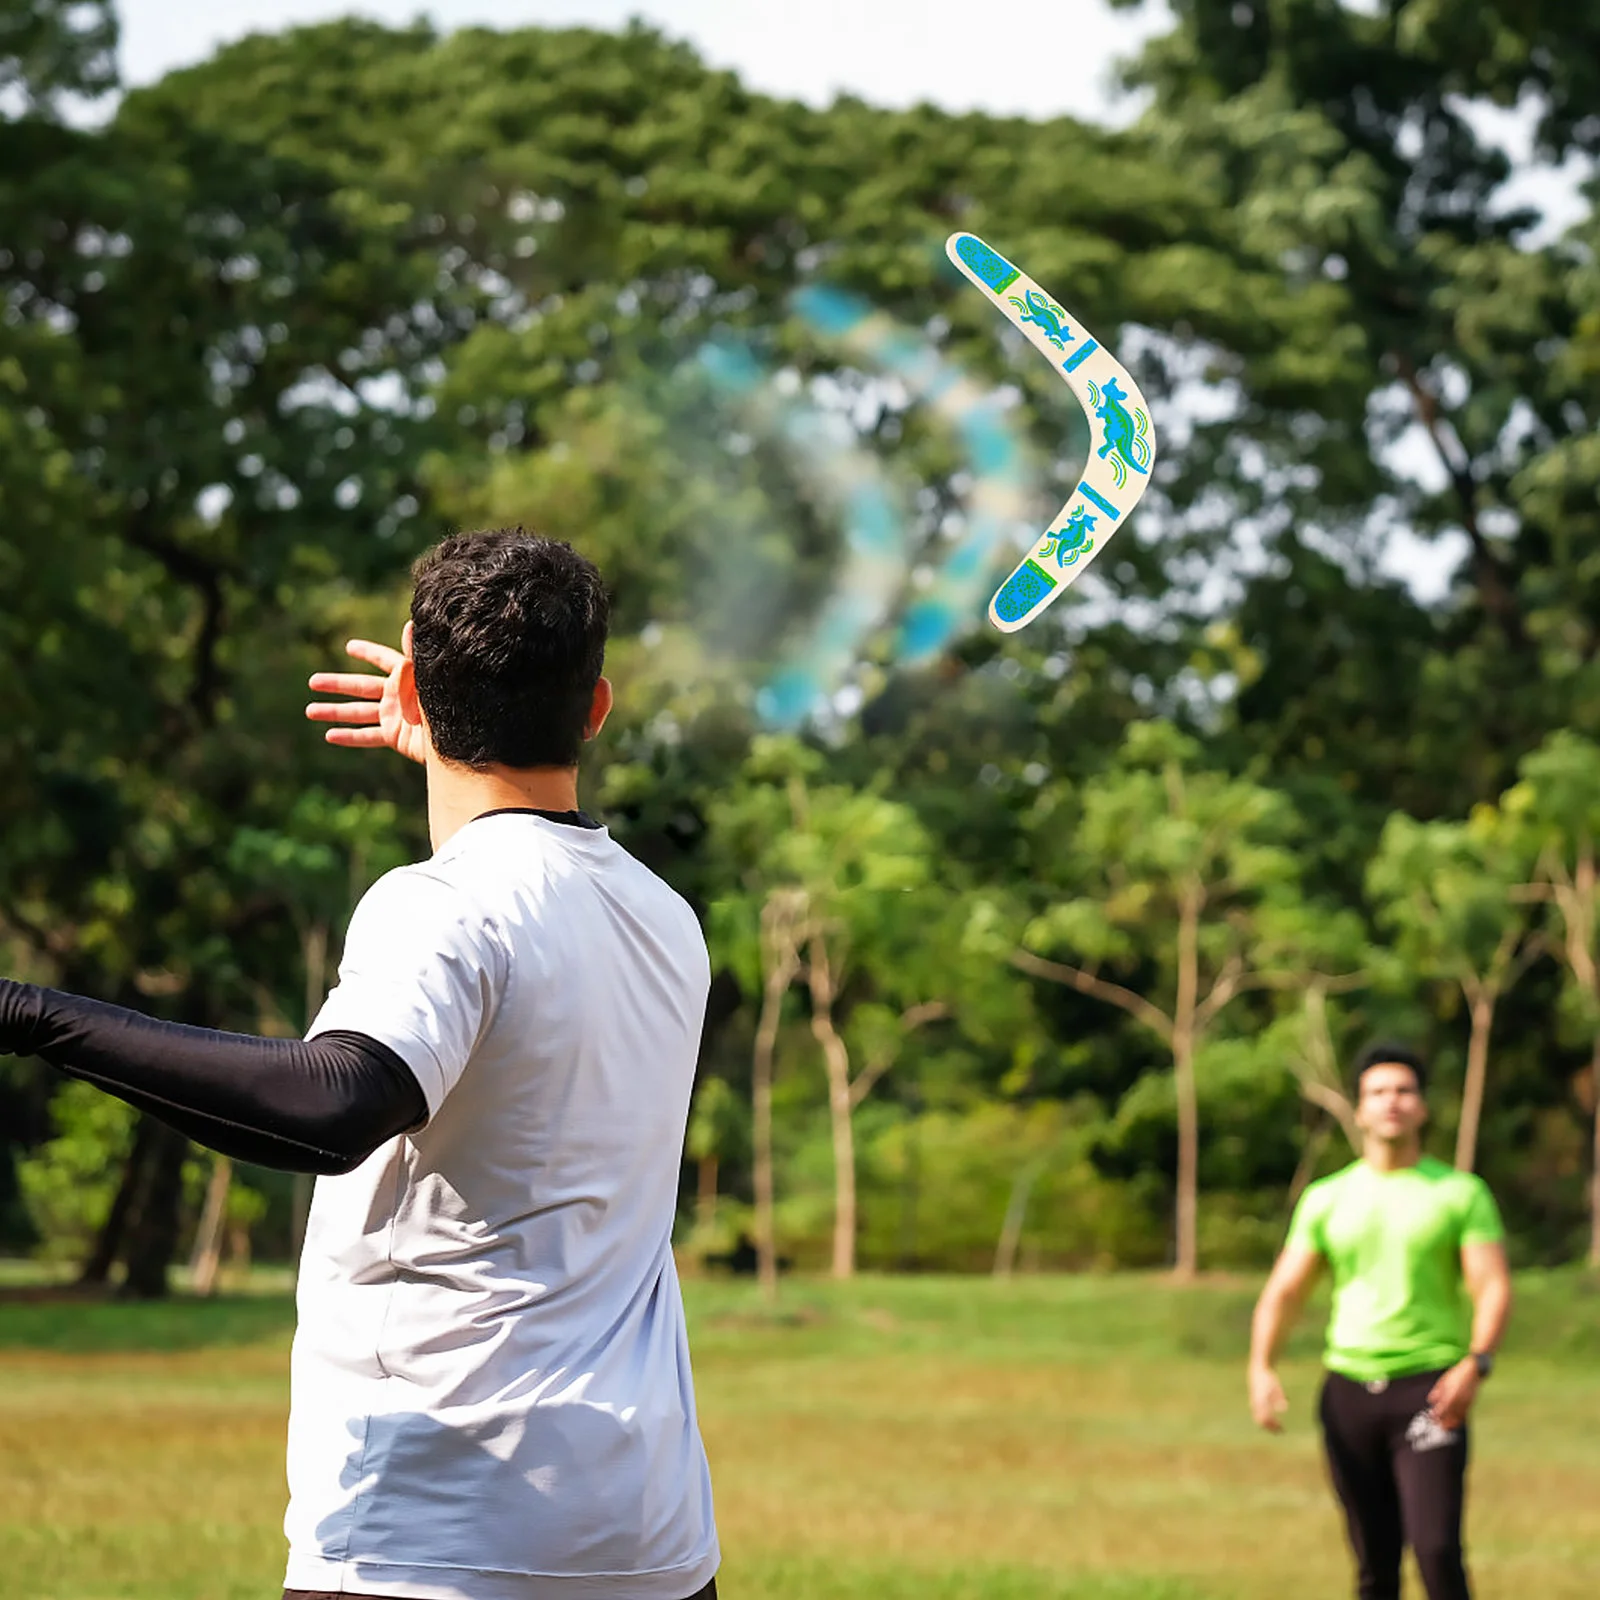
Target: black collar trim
(570, 819)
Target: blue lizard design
(1038, 310)
(1126, 435)
(1072, 539)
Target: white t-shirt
(491, 1389)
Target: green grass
(897, 1439)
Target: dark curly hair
(1381, 1053)
(509, 636)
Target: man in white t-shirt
(491, 1394)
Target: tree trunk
(1472, 1091)
(1183, 1049)
(1594, 1198)
(836, 1059)
(96, 1271)
(1187, 1260)
(844, 1169)
(706, 1199)
(314, 959)
(1005, 1251)
(1594, 1176)
(152, 1238)
(1496, 592)
(761, 1140)
(1309, 1157)
(206, 1258)
(780, 959)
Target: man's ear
(599, 708)
(406, 681)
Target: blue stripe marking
(1096, 498)
(1080, 355)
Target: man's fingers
(383, 656)
(360, 684)
(357, 738)
(362, 713)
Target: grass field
(900, 1439)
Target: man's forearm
(1491, 1311)
(320, 1105)
(1274, 1316)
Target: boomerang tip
(981, 262)
(1022, 596)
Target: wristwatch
(1484, 1362)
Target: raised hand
(372, 719)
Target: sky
(892, 52)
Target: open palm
(372, 718)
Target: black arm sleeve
(304, 1105)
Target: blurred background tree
(279, 319)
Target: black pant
(1402, 1480)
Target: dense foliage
(1016, 941)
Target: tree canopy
(274, 323)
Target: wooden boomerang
(1123, 443)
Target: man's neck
(458, 794)
(1383, 1155)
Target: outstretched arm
(321, 1105)
(1296, 1271)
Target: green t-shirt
(1393, 1241)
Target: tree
(193, 473)
(827, 951)
(758, 936)
(1187, 880)
(53, 49)
(1559, 801)
(1448, 891)
(844, 885)
(1314, 1059)
(623, 202)
(299, 306)
(1354, 146)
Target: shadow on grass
(69, 1322)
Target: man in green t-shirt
(1420, 1299)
